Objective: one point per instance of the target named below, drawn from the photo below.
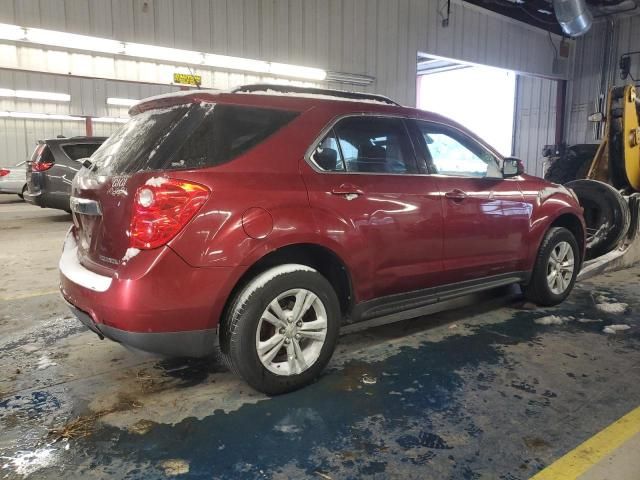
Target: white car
(13, 179)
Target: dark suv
(51, 169)
(262, 220)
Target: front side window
(366, 144)
(449, 152)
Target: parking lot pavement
(490, 390)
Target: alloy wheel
(560, 268)
(291, 332)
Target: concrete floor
(482, 391)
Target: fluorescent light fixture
(11, 32)
(163, 53)
(74, 41)
(87, 43)
(122, 102)
(35, 95)
(110, 120)
(40, 116)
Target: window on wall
(480, 98)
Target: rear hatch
(152, 146)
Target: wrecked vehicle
(261, 220)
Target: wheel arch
(324, 260)
(571, 222)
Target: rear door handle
(348, 190)
(456, 195)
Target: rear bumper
(156, 302)
(195, 343)
(33, 198)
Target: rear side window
(188, 137)
(227, 132)
(81, 150)
(367, 144)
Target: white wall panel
(535, 120)
(379, 38)
(587, 72)
(88, 97)
(375, 37)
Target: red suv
(261, 220)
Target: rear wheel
(281, 329)
(556, 268)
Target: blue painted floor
(479, 392)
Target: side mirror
(512, 167)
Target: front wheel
(556, 268)
(281, 329)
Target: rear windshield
(187, 137)
(80, 150)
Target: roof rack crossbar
(259, 87)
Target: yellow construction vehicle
(606, 177)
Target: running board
(442, 299)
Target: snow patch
(156, 181)
(612, 307)
(589, 320)
(615, 328)
(552, 320)
(27, 462)
(262, 279)
(45, 362)
(129, 254)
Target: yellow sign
(187, 79)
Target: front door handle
(348, 190)
(456, 195)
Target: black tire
(21, 195)
(538, 290)
(606, 214)
(574, 164)
(238, 332)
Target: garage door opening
(480, 98)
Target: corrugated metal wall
(18, 136)
(584, 85)
(588, 70)
(379, 38)
(535, 120)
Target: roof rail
(260, 87)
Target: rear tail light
(41, 166)
(37, 165)
(4, 172)
(162, 209)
